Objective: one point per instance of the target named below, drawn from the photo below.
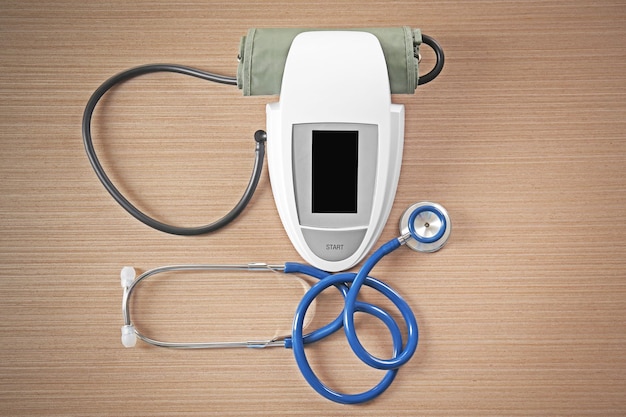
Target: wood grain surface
(522, 138)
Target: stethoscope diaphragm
(426, 225)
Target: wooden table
(522, 138)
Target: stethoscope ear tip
(129, 338)
(127, 276)
(426, 226)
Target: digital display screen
(335, 171)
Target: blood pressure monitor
(334, 144)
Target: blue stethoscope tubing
(401, 354)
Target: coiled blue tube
(349, 285)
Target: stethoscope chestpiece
(425, 227)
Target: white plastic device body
(334, 146)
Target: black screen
(335, 171)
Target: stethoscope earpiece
(425, 227)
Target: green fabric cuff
(263, 53)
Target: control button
(333, 245)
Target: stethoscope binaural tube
(401, 354)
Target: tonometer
(334, 138)
(334, 146)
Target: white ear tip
(128, 276)
(129, 338)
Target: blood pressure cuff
(263, 53)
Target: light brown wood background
(522, 138)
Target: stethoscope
(424, 227)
